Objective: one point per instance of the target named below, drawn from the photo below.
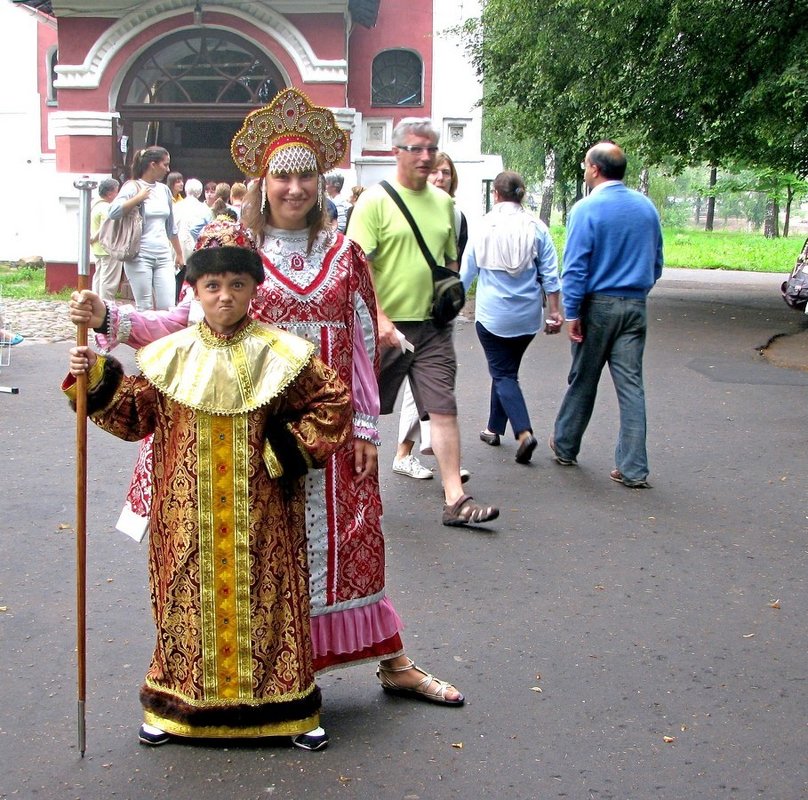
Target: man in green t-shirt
(403, 281)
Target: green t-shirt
(402, 277)
(98, 213)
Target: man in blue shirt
(612, 259)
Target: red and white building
(110, 76)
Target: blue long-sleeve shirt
(508, 305)
(614, 246)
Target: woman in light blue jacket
(516, 266)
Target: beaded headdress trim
(290, 119)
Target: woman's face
(290, 199)
(157, 170)
(441, 176)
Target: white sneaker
(412, 468)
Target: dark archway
(189, 93)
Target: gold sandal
(421, 689)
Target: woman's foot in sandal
(464, 511)
(400, 676)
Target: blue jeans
(614, 333)
(504, 356)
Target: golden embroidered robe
(236, 421)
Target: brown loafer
(617, 477)
(525, 451)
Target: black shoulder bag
(448, 295)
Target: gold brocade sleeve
(132, 413)
(271, 461)
(94, 377)
(318, 412)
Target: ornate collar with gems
(286, 251)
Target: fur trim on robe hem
(237, 715)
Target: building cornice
(81, 123)
(120, 8)
(312, 69)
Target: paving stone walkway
(38, 320)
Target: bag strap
(406, 212)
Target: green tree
(688, 81)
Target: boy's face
(225, 299)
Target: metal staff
(85, 187)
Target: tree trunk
(787, 220)
(708, 225)
(697, 214)
(643, 187)
(547, 186)
(771, 224)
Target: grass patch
(27, 283)
(730, 250)
(694, 249)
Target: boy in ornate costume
(239, 411)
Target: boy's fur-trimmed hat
(224, 246)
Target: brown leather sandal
(466, 512)
(421, 689)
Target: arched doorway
(189, 93)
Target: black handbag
(448, 295)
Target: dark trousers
(504, 356)
(614, 334)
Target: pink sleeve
(365, 390)
(126, 325)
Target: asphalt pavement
(612, 643)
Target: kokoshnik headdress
(290, 135)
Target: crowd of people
(302, 316)
(171, 227)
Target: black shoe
(309, 741)
(525, 451)
(489, 438)
(152, 736)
